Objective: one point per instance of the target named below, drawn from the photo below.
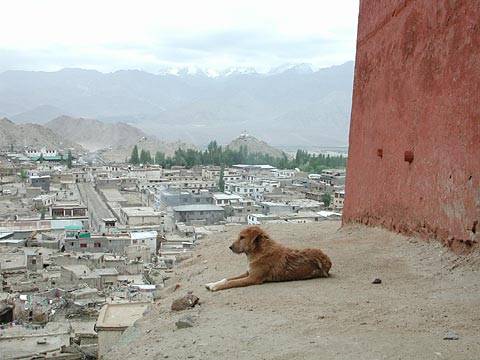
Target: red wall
(417, 89)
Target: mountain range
(292, 106)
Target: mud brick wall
(414, 156)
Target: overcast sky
(108, 35)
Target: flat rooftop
(198, 207)
(120, 315)
(141, 211)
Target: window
(97, 245)
(83, 245)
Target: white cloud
(147, 34)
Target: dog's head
(248, 240)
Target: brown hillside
(254, 146)
(426, 292)
(32, 136)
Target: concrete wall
(414, 156)
(107, 339)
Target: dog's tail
(324, 264)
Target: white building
(243, 189)
(148, 238)
(44, 201)
(222, 199)
(33, 153)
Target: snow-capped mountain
(290, 106)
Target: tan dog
(269, 261)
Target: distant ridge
(115, 140)
(254, 145)
(32, 136)
(95, 134)
(39, 115)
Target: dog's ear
(256, 234)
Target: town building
(199, 214)
(113, 320)
(44, 201)
(338, 199)
(141, 215)
(333, 177)
(68, 209)
(42, 182)
(174, 196)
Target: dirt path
(426, 293)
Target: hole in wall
(474, 227)
(408, 156)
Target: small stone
(184, 322)
(42, 341)
(451, 336)
(377, 281)
(185, 302)
(320, 317)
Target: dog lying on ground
(269, 261)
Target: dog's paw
(214, 286)
(210, 286)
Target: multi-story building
(338, 199)
(333, 177)
(204, 214)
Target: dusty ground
(426, 293)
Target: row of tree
(217, 155)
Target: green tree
(134, 159)
(42, 214)
(327, 199)
(144, 155)
(221, 181)
(11, 148)
(23, 175)
(69, 159)
(160, 158)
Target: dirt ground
(426, 293)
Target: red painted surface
(417, 98)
